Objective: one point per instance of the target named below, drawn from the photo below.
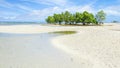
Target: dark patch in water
(63, 32)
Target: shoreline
(32, 28)
(45, 28)
(98, 45)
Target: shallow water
(20, 23)
(33, 51)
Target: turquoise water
(32, 51)
(19, 23)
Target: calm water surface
(33, 51)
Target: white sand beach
(100, 45)
(93, 46)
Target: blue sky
(38, 10)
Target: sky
(38, 10)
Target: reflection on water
(32, 51)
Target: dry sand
(99, 45)
(94, 46)
(33, 28)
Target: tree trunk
(65, 23)
(83, 23)
(59, 23)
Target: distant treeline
(69, 18)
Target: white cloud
(6, 4)
(39, 14)
(23, 7)
(10, 17)
(18, 7)
(42, 14)
(51, 2)
(112, 10)
(55, 6)
(81, 9)
(58, 7)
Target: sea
(32, 50)
(28, 23)
(19, 23)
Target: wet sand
(90, 47)
(33, 51)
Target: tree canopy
(100, 16)
(69, 18)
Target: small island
(84, 18)
(59, 34)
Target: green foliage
(69, 18)
(56, 17)
(88, 18)
(66, 17)
(50, 20)
(78, 17)
(85, 18)
(100, 16)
